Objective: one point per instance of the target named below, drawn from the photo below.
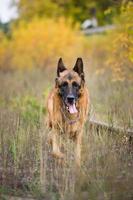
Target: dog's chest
(71, 128)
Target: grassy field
(26, 165)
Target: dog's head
(70, 84)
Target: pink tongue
(72, 109)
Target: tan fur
(59, 119)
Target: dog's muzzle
(71, 104)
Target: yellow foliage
(121, 50)
(113, 52)
(5, 53)
(42, 41)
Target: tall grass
(26, 164)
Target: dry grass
(26, 165)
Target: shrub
(42, 41)
(121, 50)
(5, 53)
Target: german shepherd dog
(68, 106)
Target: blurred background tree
(121, 51)
(78, 10)
(47, 27)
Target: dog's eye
(75, 84)
(65, 84)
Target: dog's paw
(58, 155)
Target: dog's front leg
(78, 148)
(55, 146)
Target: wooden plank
(102, 125)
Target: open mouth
(71, 108)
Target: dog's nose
(70, 99)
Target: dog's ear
(60, 67)
(79, 67)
